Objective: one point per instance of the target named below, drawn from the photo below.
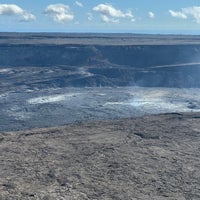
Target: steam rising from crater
(51, 98)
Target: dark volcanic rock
(137, 56)
(154, 157)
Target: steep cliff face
(78, 55)
(102, 65)
(151, 55)
(45, 55)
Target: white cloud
(193, 12)
(107, 19)
(90, 16)
(129, 14)
(111, 14)
(10, 9)
(78, 3)
(14, 10)
(28, 17)
(151, 15)
(185, 13)
(132, 20)
(59, 12)
(178, 14)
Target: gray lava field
(53, 107)
(99, 116)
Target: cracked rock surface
(153, 157)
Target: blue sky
(132, 16)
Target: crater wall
(100, 60)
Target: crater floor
(27, 109)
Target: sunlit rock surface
(154, 157)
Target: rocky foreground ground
(153, 157)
